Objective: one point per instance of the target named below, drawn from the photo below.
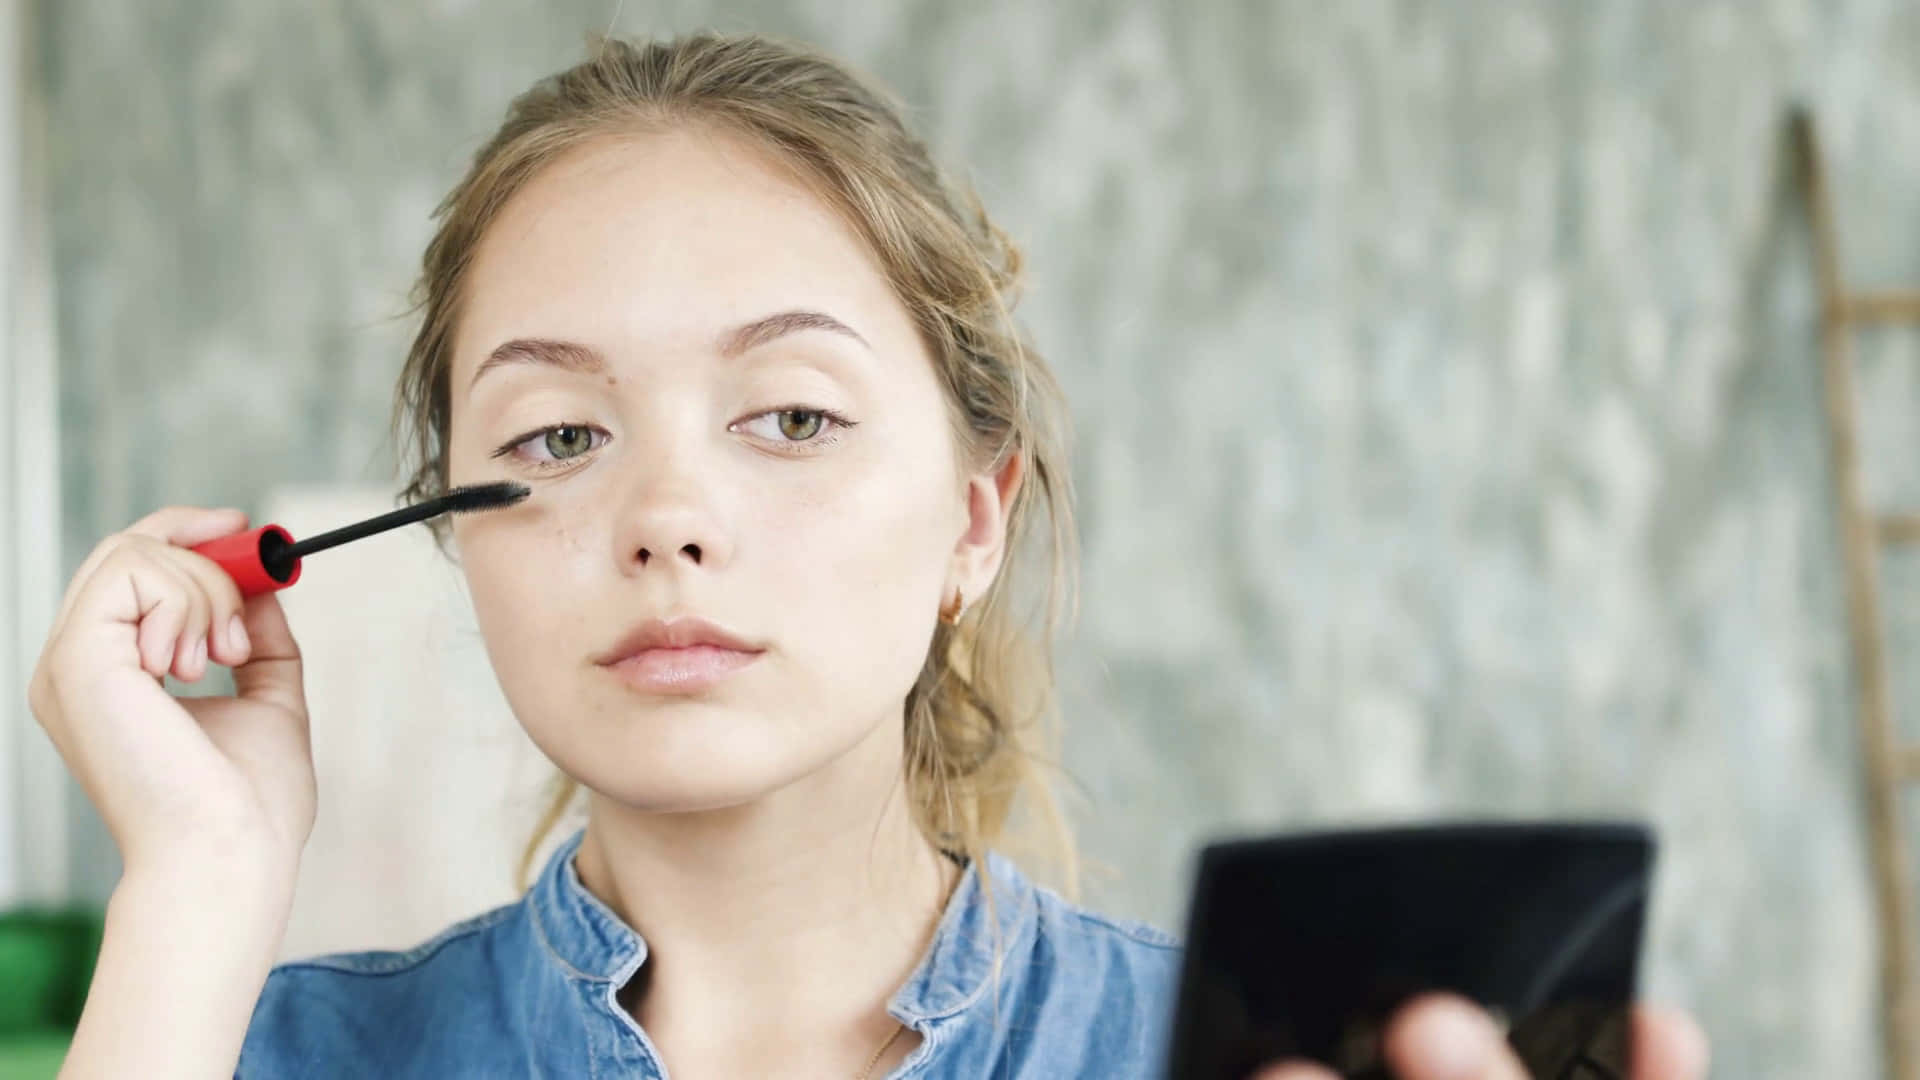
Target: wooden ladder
(1889, 761)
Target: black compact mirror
(1305, 945)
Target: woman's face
(724, 414)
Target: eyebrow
(586, 360)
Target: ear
(983, 546)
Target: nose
(668, 519)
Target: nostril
(692, 551)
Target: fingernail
(199, 653)
(236, 635)
(1454, 1041)
(1292, 1072)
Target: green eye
(800, 424)
(796, 429)
(559, 439)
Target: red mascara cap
(246, 557)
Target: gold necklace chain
(868, 1071)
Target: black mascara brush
(267, 558)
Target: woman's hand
(190, 783)
(210, 799)
(1445, 1037)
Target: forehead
(665, 239)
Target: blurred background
(1447, 381)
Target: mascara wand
(267, 558)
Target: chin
(682, 765)
(675, 795)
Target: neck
(803, 910)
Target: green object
(33, 1055)
(30, 970)
(46, 962)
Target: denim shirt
(528, 989)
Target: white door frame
(33, 780)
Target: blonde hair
(979, 719)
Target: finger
(128, 614)
(226, 633)
(185, 526)
(180, 616)
(166, 632)
(133, 598)
(182, 526)
(273, 671)
(158, 608)
(166, 536)
(1295, 1070)
(190, 649)
(1446, 1037)
(1667, 1045)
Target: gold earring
(951, 609)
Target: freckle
(611, 381)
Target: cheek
(524, 577)
(863, 563)
(520, 548)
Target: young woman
(799, 493)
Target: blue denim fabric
(528, 989)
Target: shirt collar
(589, 941)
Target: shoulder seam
(1142, 932)
(396, 961)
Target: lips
(682, 633)
(678, 656)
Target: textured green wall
(1449, 429)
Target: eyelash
(834, 423)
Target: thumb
(272, 673)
